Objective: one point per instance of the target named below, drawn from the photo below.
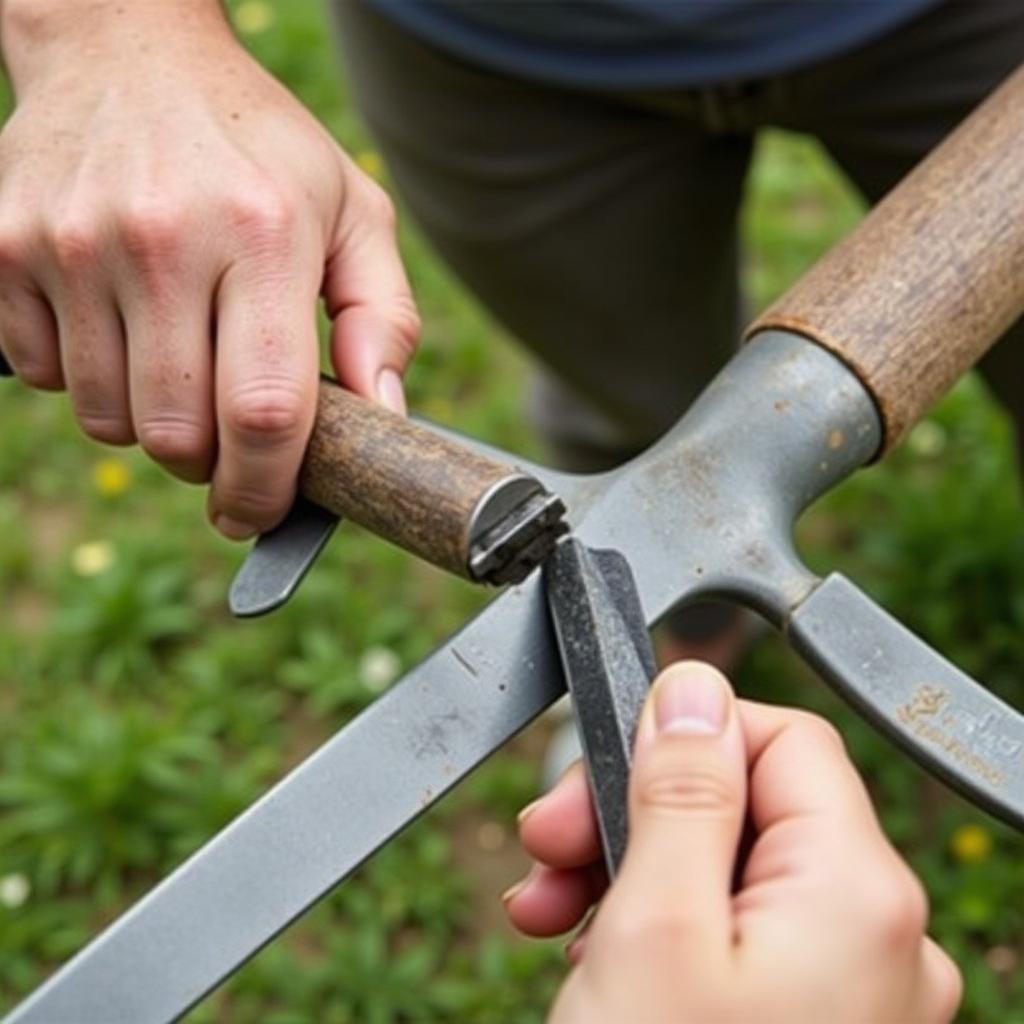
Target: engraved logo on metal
(920, 713)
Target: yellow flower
(111, 477)
(927, 439)
(92, 557)
(370, 161)
(253, 17)
(971, 843)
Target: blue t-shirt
(647, 44)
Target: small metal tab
(513, 531)
(280, 559)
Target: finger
(375, 326)
(28, 337)
(550, 901)
(560, 829)
(820, 864)
(92, 350)
(942, 984)
(168, 325)
(266, 379)
(28, 327)
(687, 801)
(800, 771)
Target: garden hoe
(831, 377)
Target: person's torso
(647, 44)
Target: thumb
(686, 810)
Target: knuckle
(250, 506)
(380, 207)
(898, 907)
(949, 986)
(28, 21)
(150, 228)
(690, 789)
(43, 376)
(264, 214)
(272, 412)
(16, 238)
(407, 322)
(819, 730)
(110, 428)
(912, 911)
(76, 242)
(171, 440)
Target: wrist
(38, 34)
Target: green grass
(136, 717)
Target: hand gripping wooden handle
(404, 482)
(932, 276)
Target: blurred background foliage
(136, 717)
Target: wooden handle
(932, 276)
(396, 478)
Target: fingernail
(390, 391)
(691, 698)
(528, 810)
(514, 890)
(233, 529)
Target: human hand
(757, 883)
(169, 214)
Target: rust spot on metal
(696, 469)
(431, 737)
(756, 555)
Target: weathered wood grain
(932, 276)
(396, 478)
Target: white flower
(379, 668)
(14, 890)
(92, 557)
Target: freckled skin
(170, 216)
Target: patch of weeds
(119, 605)
(89, 792)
